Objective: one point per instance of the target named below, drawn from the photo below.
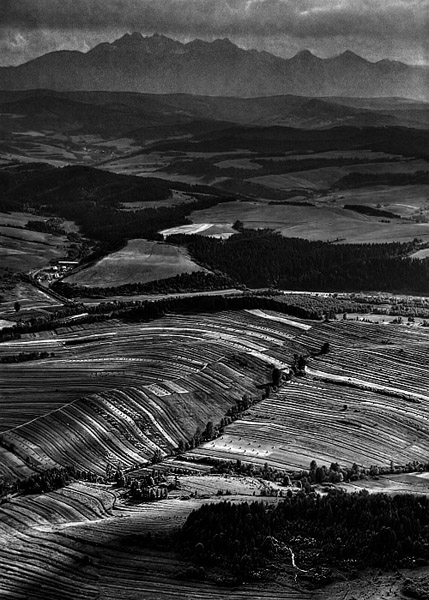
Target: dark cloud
(396, 23)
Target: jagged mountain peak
(137, 40)
(350, 56)
(128, 38)
(305, 54)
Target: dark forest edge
(264, 258)
(313, 307)
(198, 281)
(325, 534)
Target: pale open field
(135, 165)
(216, 230)
(420, 254)
(176, 198)
(29, 297)
(22, 250)
(139, 262)
(313, 222)
(19, 219)
(238, 163)
(408, 201)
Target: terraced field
(365, 401)
(123, 391)
(117, 392)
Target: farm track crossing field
(139, 262)
(33, 302)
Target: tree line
(184, 282)
(142, 310)
(357, 180)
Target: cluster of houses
(56, 271)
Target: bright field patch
(217, 230)
(139, 262)
(407, 201)
(313, 222)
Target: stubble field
(140, 261)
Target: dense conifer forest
(337, 530)
(264, 258)
(277, 140)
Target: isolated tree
(17, 306)
(276, 377)
(197, 437)
(209, 432)
(246, 402)
(302, 363)
(325, 348)
(157, 456)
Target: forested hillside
(92, 198)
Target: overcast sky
(375, 29)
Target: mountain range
(160, 65)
